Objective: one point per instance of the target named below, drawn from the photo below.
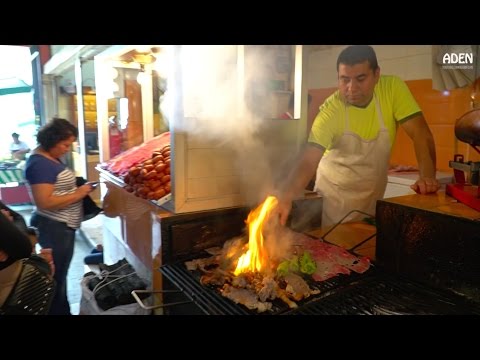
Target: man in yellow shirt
(351, 139)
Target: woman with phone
(58, 201)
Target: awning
(11, 175)
(13, 86)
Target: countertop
(349, 235)
(439, 202)
(409, 177)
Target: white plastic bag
(88, 304)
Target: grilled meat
(245, 297)
(297, 288)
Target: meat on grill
(253, 290)
(259, 289)
(256, 290)
(217, 277)
(202, 264)
(331, 260)
(297, 288)
(245, 297)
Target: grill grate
(211, 302)
(374, 292)
(385, 295)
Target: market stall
(220, 154)
(12, 184)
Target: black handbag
(90, 208)
(33, 291)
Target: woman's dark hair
(55, 131)
(357, 54)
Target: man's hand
(283, 209)
(425, 186)
(298, 179)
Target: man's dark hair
(55, 131)
(357, 54)
(15, 135)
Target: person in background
(58, 201)
(14, 245)
(18, 148)
(289, 113)
(30, 231)
(18, 242)
(351, 138)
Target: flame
(256, 258)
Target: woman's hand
(85, 189)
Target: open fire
(272, 263)
(256, 257)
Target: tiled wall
(413, 64)
(441, 110)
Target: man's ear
(377, 74)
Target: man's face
(356, 83)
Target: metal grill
(371, 293)
(211, 302)
(385, 295)
(429, 280)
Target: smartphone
(93, 184)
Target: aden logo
(461, 60)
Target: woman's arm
(45, 200)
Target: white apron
(353, 175)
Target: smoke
(278, 239)
(226, 104)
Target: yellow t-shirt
(396, 103)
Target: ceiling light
(143, 59)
